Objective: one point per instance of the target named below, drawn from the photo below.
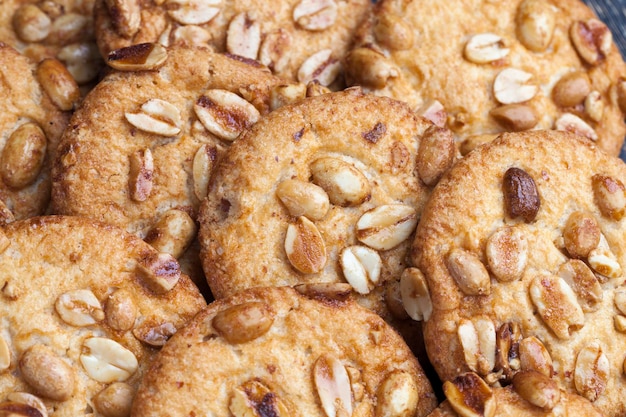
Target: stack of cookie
(383, 211)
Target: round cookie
(278, 351)
(31, 124)
(297, 39)
(328, 189)
(85, 308)
(139, 151)
(59, 29)
(522, 248)
(485, 67)
(531, 397)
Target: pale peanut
(569, 122)
(172, 233)
(140, 175)
(507, 253)
(315, 15)
(435, 154)
(581, 234)
(305, 247)
(515, 117)
(370, 68)
(557, 305)
(47, 373)
(512, 85)
(152, 332)
(31, 23)
(5, 355)
(592, 40)
(591, 374)
(537, 389)
(468, 272)
(533, 355)
(243, 36)
(387, 226)
(160, 272)
(115, 400)
(535, 23)
(415, 294)
(302, 198)
(610, 196)
(120, 310)
(333, 386)
(320, 66)
(484, 48)
(243, 322)
(571, 89)
(584, 283)
(397, 395)
(125, 16)
(345, 184)
(361, 267)
(105, 360)
(393, 32)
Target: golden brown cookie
(59, 29)
(523, 252)
(532, 395)
(484, 67)
(32, 118)
(297, 39)
(85, 308)
(139, 151)
(328, 189)
(278, 351)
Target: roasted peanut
(23, 156)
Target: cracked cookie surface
(297, 39)
(522, 247)
(85, 306)
(278, 351)
(496, 66)
(163, 131)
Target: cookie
(521, 245)
(32, 118)
(328, 189)
(532, 395)
(297, 39)
(59, 29)
(278, 351)
(85, 308)
(163, 130)
(484, 67)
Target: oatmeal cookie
(139, 151)
(483, 67)
(297, 39)
(522, 248)
(278, 351)
(85, 308)
(328, 189)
